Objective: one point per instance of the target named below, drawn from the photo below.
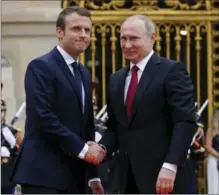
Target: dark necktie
(77, 75)
(131, 90)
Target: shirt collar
(68, 59)
(142, 64)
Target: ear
(153, 37)
(59, 32)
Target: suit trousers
(131, 186)
(33, 189)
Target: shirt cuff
(94, 179)
(83, 151)
(98, 137)
(171, 167)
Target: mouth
(82, 42)
(81, 45)
(129, 53)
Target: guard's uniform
(9, 150)
(8, 156)
(187, 179)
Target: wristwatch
(103, 147)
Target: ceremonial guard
(196, 153)
(10, 139)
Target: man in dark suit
(54, 157)
(151, 114)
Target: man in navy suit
(54, 157)
(151, 114)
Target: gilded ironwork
(113, 40)
(215, 62)
(177, 4)
(142, 4)
(158, 40)
(198, 38)
(170, 4)
(90, 4)
(93, 56)
(166, 29)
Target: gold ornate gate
(187, 30)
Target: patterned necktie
(131, 90)
(77, 75)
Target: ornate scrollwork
(141, 4)
(182, 5)
(100, 5)
(144, 4)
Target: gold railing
(215, 62)
(184, 32)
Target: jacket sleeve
(179, 92)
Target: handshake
(95, 154)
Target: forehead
(133, 27)
(76, 20)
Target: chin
(82, 49)
(130, 59)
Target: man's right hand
(95, 154)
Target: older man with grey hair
(151, 113)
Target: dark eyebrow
(130, 37)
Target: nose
(83, 33)
(128, 44)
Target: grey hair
(149, 25)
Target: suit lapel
(64, 67)
(146, 77)
(119, 95)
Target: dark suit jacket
(55, 129)
(161, 125)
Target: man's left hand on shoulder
(165, 181)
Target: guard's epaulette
(4, 160)
(200, 125)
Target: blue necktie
(77, 75)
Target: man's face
(76, 37)
(135, 42)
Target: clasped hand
(95, 154)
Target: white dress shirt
(141, 66)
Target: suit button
(126, 153)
